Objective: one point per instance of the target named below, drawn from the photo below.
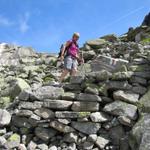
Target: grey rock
(76, 79)
(122, 75)
(121, 109)
(21, 122)
(113, 123)
(110, 38)
(107, 63)
(139, 80)
(3, 131)
(25, 52)
(106, 99)
(92, 138)
(32, 145)
(18, 86)
(86, 127)
(125, 121)
(126, 96)
(68, 96)
(45, 133)
(64, 121)
(42, 146)
(88, 145)
(5, 117)
(61, 127)
(72, 146)
(89, 55)
(146, 20)
(139, 89)
(47, 92)
(72, 87)
(145, 145)
(53, 148)
(44, 113)
(70, 137)
(22, 147)
(144, 105)
(13, 141)
(99, 117)
(97, 43)
(30, 105)
(70, 114)
(101, 142)
(2, 141)
(24, 95)
(57, 104)
(85, 106)
(88, 97)
(139, 137)
(103, 75)
(91, 90)
(142, 74)
(25, 113)
(35, 117)
(118, 85)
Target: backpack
(66, 49)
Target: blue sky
(45, 24)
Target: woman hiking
(70, 55)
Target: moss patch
(5, 101)
(84, 114)
(48, 78)
(14, 137)
(146, 41)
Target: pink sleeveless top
(73, 49)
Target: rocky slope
(105, 107)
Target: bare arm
(80, 57)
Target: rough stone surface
(44, 113)
(88, 97)
(144, 102)
(85, 106)
(5, 117)
(45, 133)
(99, 117)
(19, 86)
(101, 142)
(139, 137)
(70, 114)
(57, 104)
(126, 96)
(13, 141)
(86, 127)
(48, 92)
(61, 127)
(121, 109)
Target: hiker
(70, 55)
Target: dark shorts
(70, 63)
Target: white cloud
(24, 26)
(5, 21)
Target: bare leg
(63, 75)
(73, 72)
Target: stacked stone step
(92, 112)
(96, 111)
(48, 113)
